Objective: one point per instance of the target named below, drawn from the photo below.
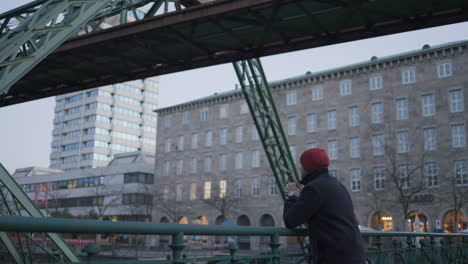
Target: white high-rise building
(91, 126)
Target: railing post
(465, 249)
(450, 250)
(378, 244)
(232, 251)
(177, 247)
(433, 249)
(275, 244)
(409, 250)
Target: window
(311, 123)
(238, 188)
(402, 142)
(403, 172)
(222, 188)
(127, 198)
(312, 144)
(375, 82)
(430, 139)
(239, 134)
(461, 175)
(178, 192)
(273, 187)
(401, 109)
(193, 191)
(354, 117)
(379, 178)
(377, 113)
(208, 138)
(292, 126)
(194, 140)
(333, 149)
(333, 172)
(431, 173)
(223, 111)
(345, 87)
(256, 187)
(244, 108)
(458, 136)
(167, 122)
(292, 149)
(207, 190)
(223, 162)
(180, 143)
(223, 136)
(204, 114)
(331, 119)
(456, 101)
(185, 117)
(427, 105)
(193, 165)
(208, 163)
(354, 147)
(179, 167)
(378, 145)
(165, 195)
(317, 93)
(167, 167)
(255, 135)
(355, 175)
(444, 70)
(408, 77)
(256, 158)
(167, 145)
(239, 160)
(291, 98)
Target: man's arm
(297, 210)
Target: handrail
(62, 225)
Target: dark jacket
(325, 205)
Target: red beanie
(314, 158)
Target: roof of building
(373, 60)
(130, 160)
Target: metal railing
(381, 247)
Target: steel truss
(14, 201)
(31, 32)
(262, 107)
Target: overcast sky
(25, 136)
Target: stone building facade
(407, 108)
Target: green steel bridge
(52, 47)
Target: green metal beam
(257, 93)
(27, 205)
(41, 33)
(11, 248)
(262, 107)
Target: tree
(407, 180)
(104, 198)
(165, 201)
(223, 199)
(54, 203)
(456, 195)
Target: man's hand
(292, 189)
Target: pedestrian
(324, 204)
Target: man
(325, 205)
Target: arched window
(267, 221)
(417, 222)
(452, 222)
(183, 220)
(382, 221)
(164, 239)
(243, 241)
